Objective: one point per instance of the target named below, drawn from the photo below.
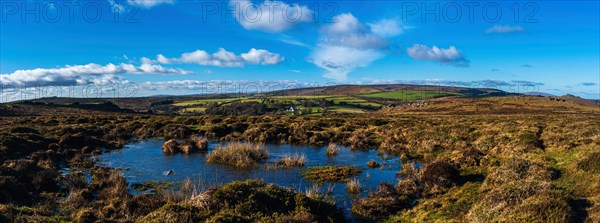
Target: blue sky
(169, 46)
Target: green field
(410, 95)
(341, 104)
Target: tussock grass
(332, 149)
(289, 161)
(408, 169)
(373, 164)
(353, 186)
(314, 192)
(240, 155)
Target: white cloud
(348, 31)
(149, 3)
(262, 57)
(83, 74)
(224, 58)
(348, 44)
(340, 60)
(504, 29)
(270, 16)
(388, 27)
(446, 56)
(290, 40)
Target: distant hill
(366, 89)
(394, 97)
(541, 94)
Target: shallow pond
(144, 161)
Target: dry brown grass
(353, 186)
(289, 161)
(240, 155)
(332, 149)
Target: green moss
(321, 174)
(152, 186)
(450, 207)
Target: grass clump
(240, 155)
(248, 201)
(151, 186)
(591, 163)
(373, 164)
(332, 149)
(321, 174)
(314, 192)
(353, 186)
(289, 161)
(380, 204)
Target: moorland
(484, 156)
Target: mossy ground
(321, 174)
(511, 168)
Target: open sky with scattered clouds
(170, 46)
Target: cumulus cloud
(223, 58)
(349, 32)
(339, 60)
(388, 27)
(261, 57)
(270, 16)
(449, 56)
(504, 29)
(348, 44)
(83, 74)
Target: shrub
(439, 176)
(240, 155)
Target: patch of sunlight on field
(198, 109)
(344, 109)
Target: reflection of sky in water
(143, 161)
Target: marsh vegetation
(456, 167)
